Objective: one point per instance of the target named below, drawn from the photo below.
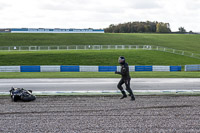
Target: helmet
(121, 60)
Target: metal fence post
(99, 47)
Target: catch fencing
(99, 47)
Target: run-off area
(101, 114)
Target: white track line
(108, 91)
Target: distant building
(56, 30)
(5, 30)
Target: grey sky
(98, 13)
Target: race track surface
(95, 84)
(101, 114)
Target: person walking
(125, 79)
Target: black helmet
(121, 60)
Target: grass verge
(7, 75)
(184, 42)
(93, 57)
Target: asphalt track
(99, 84)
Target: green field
(7, 75)
(93, 57)
(190, 43)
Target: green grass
(93, 57)
(8, 75)
(190, 43)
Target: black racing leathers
(125, 79)
(124, 71)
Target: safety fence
(72, 47)
(98, 47)
(192, 67)
(85, 68)
(174, 51)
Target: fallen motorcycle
(20, 94)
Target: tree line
(139, 27)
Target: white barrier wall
(61, 68)
(118, 68)
(89, 68)
(50, 68)
(9, 68)
(161, 68)
(192, 67)
(131, 68)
